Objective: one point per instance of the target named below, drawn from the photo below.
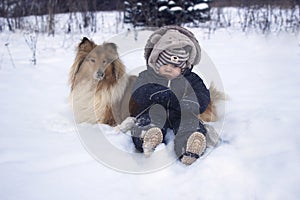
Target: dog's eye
(104, 61)
(92, 60)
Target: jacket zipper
(168, 105)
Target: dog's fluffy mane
(83, 49)
(104, 101)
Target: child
(170, 52)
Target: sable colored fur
(100, 87)
(211, 112)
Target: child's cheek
(177, 71)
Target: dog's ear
(110, 45)
(83, 49)
(86, 45)
(111, 48)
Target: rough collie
(100, 87)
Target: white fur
(89, 106)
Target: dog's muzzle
(99, 75)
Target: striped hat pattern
(177, 57)
(172, 37)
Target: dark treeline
(264, 14)
(18, 8)
(169, 12)
(240, 3)
(247, 3)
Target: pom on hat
(177, 57)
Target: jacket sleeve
(196, 94)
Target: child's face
(169, 71)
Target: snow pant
(183, 126)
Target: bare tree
(51, 16)
(6, 7)
(31, 38)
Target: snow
(171, 3)
(176, 8)
(201, 6)
(162, 8)
(42, 156)
(190, 8)
(162, 1)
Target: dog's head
(98, 62)
(101, 62)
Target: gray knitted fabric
(177, 57)
(172, 37)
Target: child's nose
(170, 67)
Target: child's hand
(126, 125)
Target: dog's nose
(100, 74)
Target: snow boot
(151, 139)
(195, 147)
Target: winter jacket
(183, 98)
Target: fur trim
(172, 39)
(158, 34)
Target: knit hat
(172, 37)
(177, 57)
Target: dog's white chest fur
(91, 105)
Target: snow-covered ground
(42, 156)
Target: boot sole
(196, 144)
(152, 138)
